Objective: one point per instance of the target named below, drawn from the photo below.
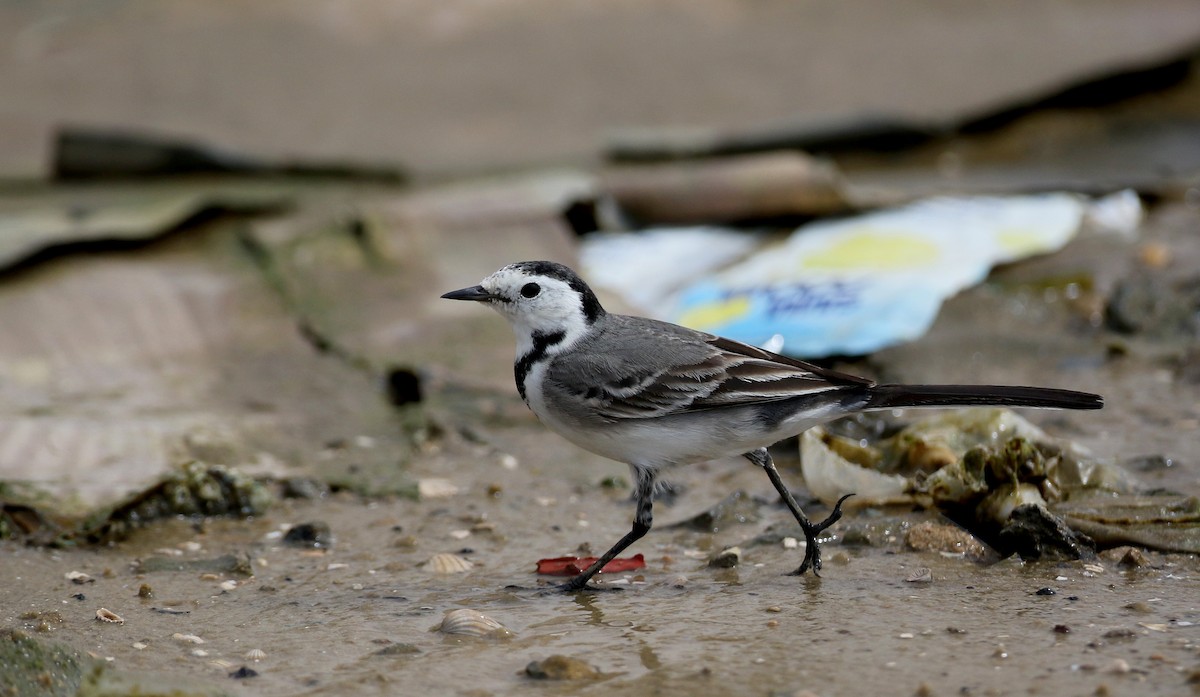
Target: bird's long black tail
(897, 396)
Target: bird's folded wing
(715, 373)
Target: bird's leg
(812, 553)
(642, 520)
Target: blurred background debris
(224, 228)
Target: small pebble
(559, 667)
(139, 645)
(906, 635)
(1062, 629)
(145, 591)
(187, 638)
(1154, 255)
(1134, 558)
(79, 578)
(199, 653)
(726, 558)
(772, 623)
(1046, 591)
(313, 535)
(243, 673)
(1119, 666)
(228, 585)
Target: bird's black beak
(472, 293)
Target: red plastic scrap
(573, 566)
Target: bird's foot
(812, 549)
(580, 584)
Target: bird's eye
(530, 290)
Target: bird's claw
(812, 550)
(575, 586)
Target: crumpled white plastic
(846, 286)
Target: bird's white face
(535, 301)
(540, 300)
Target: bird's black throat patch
(541, 343)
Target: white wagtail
(653, 394)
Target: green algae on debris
(1006, 481)
(195, 489)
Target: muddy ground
(357, 617)
(291, 328)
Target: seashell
(78, 577)
(199, 653)
(472, 623)
(448, 564)
(228, 585)
(187, 638)
(106, 615)
(139, 645)
(435, 488)
(255, 655)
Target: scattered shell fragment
(255, 655)
(459, 534)
(436, 488)
(228, 585)
(448, 564)
(187, 638)
(1119, 666)
(922, 575)
(78, 577)
(468, 622)
(139, 645)
(790, 543)
(106, 615)
(199, 653)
